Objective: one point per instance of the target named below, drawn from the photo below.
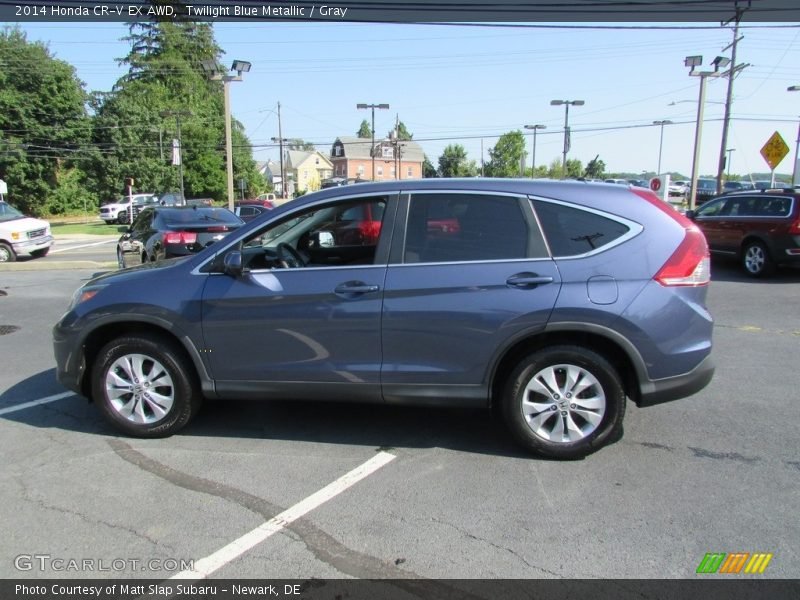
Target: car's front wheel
(6, 253)
(564, 402)
(144, 386)
(756, 260)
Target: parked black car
(248, 212)
(166, 232)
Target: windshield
(9, 213)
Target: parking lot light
(566, 104)
(692, 62)
(215, 73)
(533, 155)
(796, 170)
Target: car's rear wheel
(144, 386)
(756, 260)
(564, 402)
(6, 253)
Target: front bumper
(70, 360)
(673, 388)
(28, 246)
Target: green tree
(402, 132)
(454, 163)
(364, 131)
(44, 126)
(506, 156)
(298, 144)
(595, 168)
(574, 168)
(428, 170)
(136, 122)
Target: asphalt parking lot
(428, 493)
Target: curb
(62, 265)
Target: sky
(455, 84)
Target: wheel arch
(105, 332)
(622, 355)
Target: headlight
(82, 294)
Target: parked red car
(760, 227)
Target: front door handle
(528, 281)
(350, 288)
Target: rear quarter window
(573, 231)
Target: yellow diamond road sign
(775, 150)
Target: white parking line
(24, 405)
(54, 250)
(205, 566)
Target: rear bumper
(674, 388)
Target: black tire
(162, 363)
(569, 413)
(7, 253)
(40, 253)
(122, 217)
(756, 260)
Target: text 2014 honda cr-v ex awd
(551, 301)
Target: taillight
(180, 237)
(689, 264)
(794, 228)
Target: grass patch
(85, 228)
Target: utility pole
(177, 159)
(381, 106)
(734, 68)
(280, 141)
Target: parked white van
(22, 235)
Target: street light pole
(178, 114)
(661, 141)
(692, 62)
(796, 170)
(373, 107)
(533, 154)
(215, 74)
(566, 104)
(728, 163)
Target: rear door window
(458, 227)
(572, 231)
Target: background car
(22, 235)
(167, 232)
(547, 301)
(735, 186)
(247, 212)
(678, 188)
(120, 211)
(706, 189)
(171, 199)
(764, 184)
(265, 200)
(760, 228)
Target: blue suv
(550, 301)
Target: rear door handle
(355, 287)
(528, 280)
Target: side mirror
(232, 264)
(325, 239)
(124, 229)
(690, 214)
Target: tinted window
(143, 220)
(180, 216)
(742, 206)
(712, 209)
(467, 227)
(572, 231)
(774, 207)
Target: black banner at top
(411, 11)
